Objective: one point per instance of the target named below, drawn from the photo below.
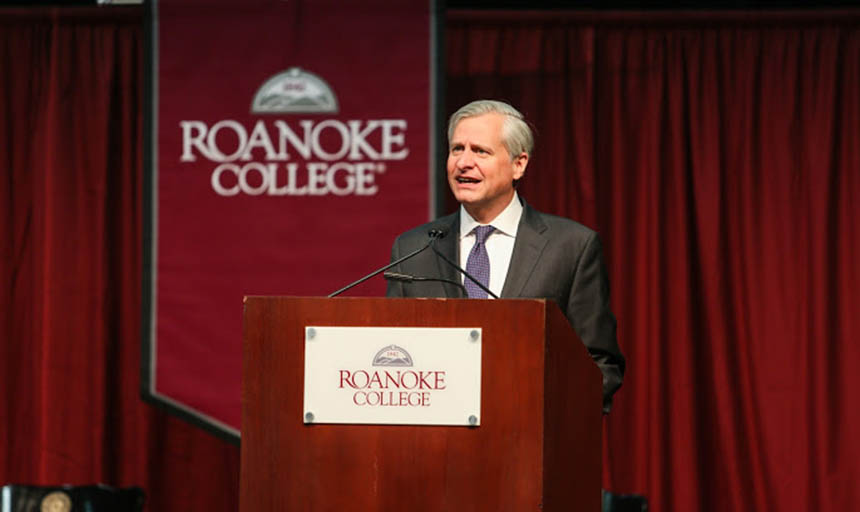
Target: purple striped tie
(478, 263)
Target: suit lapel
(449, 246)
(528, 248)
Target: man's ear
(519, 164)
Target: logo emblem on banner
(307, 157)
(392, 355)
(294, 90)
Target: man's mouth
(464, 179)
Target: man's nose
(466, 160)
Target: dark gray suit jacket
(554, 258)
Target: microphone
(407, 278)
(460, 269)
(434, 235)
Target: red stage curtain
(70, 256)
(719, 157)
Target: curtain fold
(717, 157)
(70, 258)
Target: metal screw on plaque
(474, 335)
(311, 333)
(309, 417)
(473, 420)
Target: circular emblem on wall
(57, 501)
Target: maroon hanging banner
(289, 143)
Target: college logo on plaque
(420, 376)
(392, 355)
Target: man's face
(480, 170)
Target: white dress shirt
(500, 243)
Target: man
(516, 250)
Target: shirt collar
(506, 222)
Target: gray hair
(516, 133)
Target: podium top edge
(246, 298)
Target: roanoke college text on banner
(291, 142)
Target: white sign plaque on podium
(393, 375)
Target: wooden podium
(538, 446)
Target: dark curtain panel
(719, 157)
(70, 256)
